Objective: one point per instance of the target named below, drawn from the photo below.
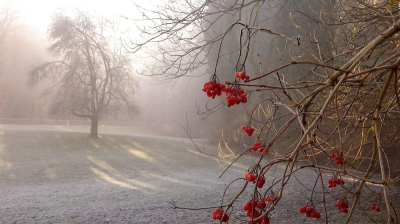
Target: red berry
(219, 214)
(252, 177)
(249, 214)
(225, 218)
(261, 204)
(248, 206)
(373, 206)
(249, 131)
(313, 214)
(255, 146)
(261, 182)
(269, 199)
(302, 209)
(340, 160)
(265, 220)
(256, 214)
(242, 75)
(378, 209)
(211, 86)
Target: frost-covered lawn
(55, 174)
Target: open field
(55, 174)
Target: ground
(55, 174)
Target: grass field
(55, 174)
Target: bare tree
(328, 101)
(92, 76)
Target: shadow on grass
(148, 165)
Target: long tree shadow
(64, 156)
(149, 158)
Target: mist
(168, 106)
(194, 111)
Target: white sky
(38, 12)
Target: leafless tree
(328, 100)
(91, 76)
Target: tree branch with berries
(320, 92)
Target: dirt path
(57, 175)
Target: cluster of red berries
(339, 159)
(253, 177)
(270, 198)
(242, 75)
(310, 212)
(248, 207)
(342, 206)
(250, 177)
(235, 96)
(257, 147)
(213, 88)
(334, 181)
(374, 207)
(218, 214)
(248, 130)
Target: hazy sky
(38, 12)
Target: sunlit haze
(36, 16)
(39, 12)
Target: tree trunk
(94, 123)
